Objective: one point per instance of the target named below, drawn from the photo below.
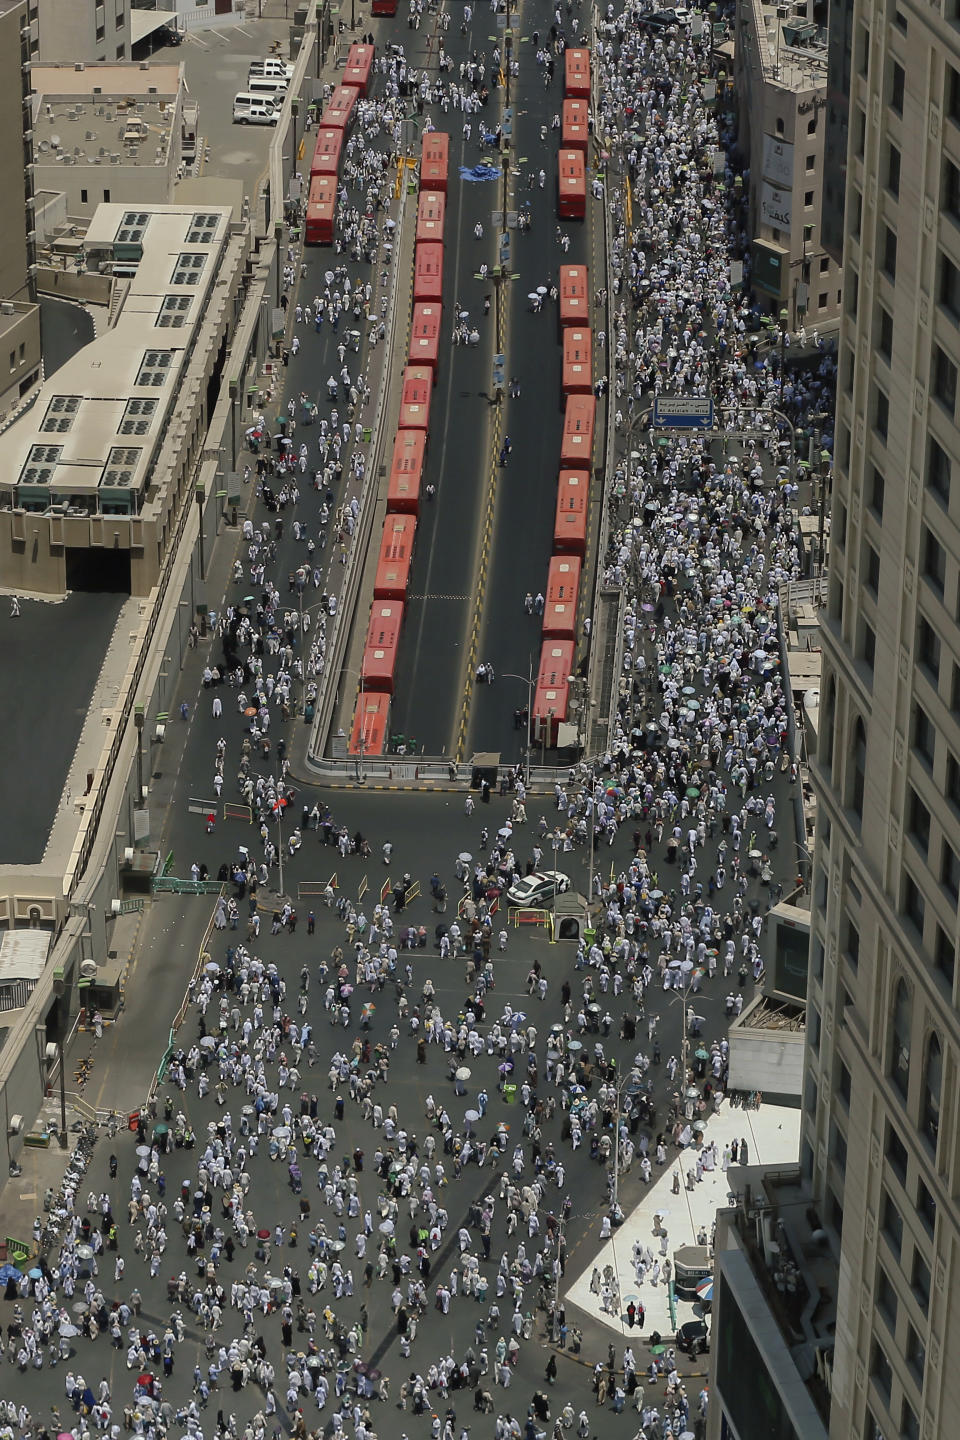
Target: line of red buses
(380, 656)
(559, 644)
(574, 135)
(335, 124)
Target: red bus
(383, 7)
(434, 160)
(406, 472)
(321, 210)
(378, 668)
(576, 447)
(576, 68)
(326, 152)
(415, 398)
(571, 185)
(574, 296)
(563, 592)
(359, 68)
(552, 694)
(428, 271)
(371, 718)
(576, 376)
(340, 110)
(575, 127)
(425, 335)
(396, 557)
(431, 210)
(570, 524)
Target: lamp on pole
(528, 681)
(553, 921)
(361, 777)
(784, 330)
(60, 990)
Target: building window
(891, 1223)
(919, 822)
(878, 488)
(881, 413)
(886, 1299)
(868, 646)
(944, 955)
(932, 1085)
(928, 649)
(897, 85)
(934, 561)
(916, 1355)
(950, 871)
(884, 332)
(838, 1146)
(924, 735)
(938, 471)
(926, 1206)
(83, 197)
(871, 570)
(900, 1040)
(780, 126)
(949, 287)
(950, 200)
(858, 768)
(853, 300)
(893, 170)
(920, 1280)
(880, 1370)
(844, 1084)
(909, 1424)
(889, 264)
(914, 906)
(808, 198)
(944, 379)
(952, 96)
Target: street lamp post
(60, 990)
(556, 847)
(528, 681)
(361, 777)
(784, 329)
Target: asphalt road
(66, 643)
(427, 830)
(526, 496)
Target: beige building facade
(881, 1128)
(81, 30)
(780, 82)
(19, 312)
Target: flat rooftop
(52, 656)
(135, 132)
(98, 81)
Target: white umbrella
(207, 1042)
(85, 1252)
(463, 1073)
(67, 1329)
(143, 1149)
(386, 1227)
(212, 968)
(282, 1132)
(465, 856)
(471, 1116)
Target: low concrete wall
(74, 285)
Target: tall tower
(881, 1108)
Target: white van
(272, 65)
(254, 109)
(271, 87)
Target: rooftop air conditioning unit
(88, 968)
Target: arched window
(829, 720)
(859, 768)
(900, 1048)
(932, 1082)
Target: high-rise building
(19, 312)
(881, 1125)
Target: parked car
(538, 888)
(693, 1338)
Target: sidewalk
(772, 1134)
